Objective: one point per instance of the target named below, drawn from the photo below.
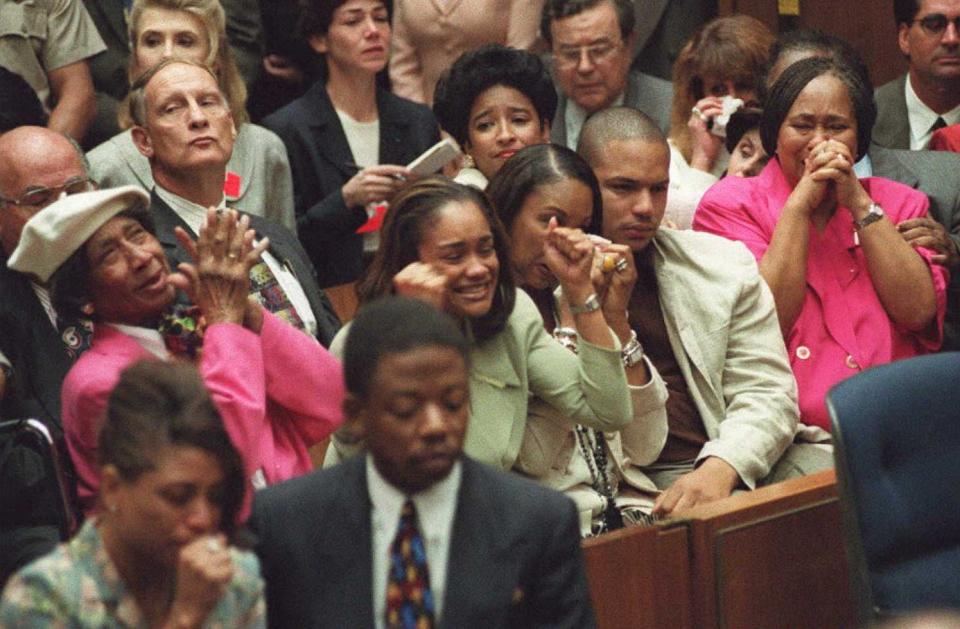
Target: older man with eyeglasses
(592, 43)
(911, 107)
(37, 166)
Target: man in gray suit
(489, 549)
(707, 321)
(933, 173)
(927, 97)
(665, 28)
(592, 42)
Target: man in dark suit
(927, 97)
(36, 166)
(592, 43)
(488, 549)
(930, 172)
(184, 127)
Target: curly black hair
(477, 71)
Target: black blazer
(109, 67)
(283, 245)
(319, 154)
(514, 559)
(33, 346)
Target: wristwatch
(874, 214)
(592, 304)
(632, 352)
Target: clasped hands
(218, 280)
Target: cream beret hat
(54, 233)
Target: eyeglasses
(936, 23)
(42, 197)
(597, 53)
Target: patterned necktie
(409, 599)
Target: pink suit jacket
(842, 328)
(278, 393)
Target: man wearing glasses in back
(592, 43)
(926, 98)
(37, 166)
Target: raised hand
(569, 256)
(218, 281)
(204, 568)
(423, 281)
(706, 145)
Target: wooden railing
(773, 557)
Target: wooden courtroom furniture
(640, 578)
(343, 298)
(773, 557)
(770, 558)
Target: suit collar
(885, 164)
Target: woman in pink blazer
(278, 390)
(429, 35)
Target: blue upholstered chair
(897, 448)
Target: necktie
(938, 124)
(409, 599)
(76, 335)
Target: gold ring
(609, 262)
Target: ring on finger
(621, 265)
(696, 111)
(232, 255)
(213, 545)
(609, 262)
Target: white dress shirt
(574, 116)
(195, 215)
(922, 118)
(147, 338)
(436, 507)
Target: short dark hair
(411, 212)
(478, 70)
(157, 404)
(317, 15)
(537, 165)
(785, 90)
(817, 43)
(19, 105)
(741, 121)
(70, 284)
(384, 326)
(559, 9)
(614, 124)
(904, 11)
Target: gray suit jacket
(651, 95)
(935, 174)
(723, 330)
(892, 129)
(514, 558)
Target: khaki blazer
(723, 330)
(429, 35)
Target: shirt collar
(148, 338)
(388, 499)
(575, 116)
(193, 214)
(922, 118)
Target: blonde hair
(731, 48)
(220, 58)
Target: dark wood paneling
(867, 24)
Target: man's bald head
(31, 158)
(613, 124)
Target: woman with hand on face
(258, 173)
(442, 243)
(542, 189)
(494, 101)
(850, 292)
(277, 389)
(349, 141)
(158, 554)
(721, 61)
